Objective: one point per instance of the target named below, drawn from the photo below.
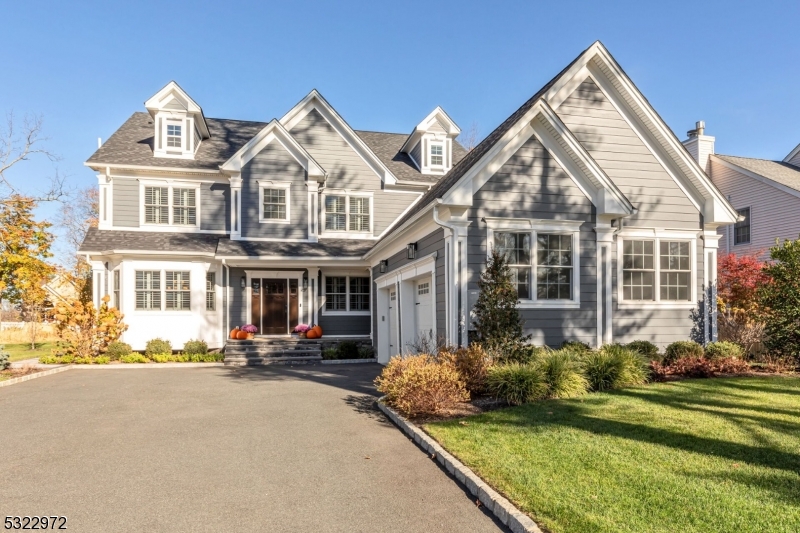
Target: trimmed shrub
(195, 348)
(102, 360)
(330, 353)
(133, 358)
(421, 385)
(48, 360)
(681, 349)
(644, 348)
(614, 367)
(117, 349)
(562, 373)
(157, 346)
(516, 383)
(4, 360)
(347, 350)
(723, 350)
(576, 347)
(366, 352)
(472, 364)
(161, 358)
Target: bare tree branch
(77, 215)
(20, 144)
(469, 139)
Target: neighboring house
(610, 225)
(765, 194)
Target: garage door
(424, 309)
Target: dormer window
(174, 136)
(437, 155)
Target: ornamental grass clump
(614, 367)
(562, 374)
(421, 385)
(516, 383)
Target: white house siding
(275, 163)
(531, 184)
(627, 161)
(347, 170)
(774, 214)
(174, 326)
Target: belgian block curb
(347, 361)
(14, 381)
(503, 509)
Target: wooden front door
(274, 307)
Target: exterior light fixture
(244, 282)
(411, 250)
(384, 266)
(305, 282)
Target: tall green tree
(780, 298)
(24, 248)
(497, 321)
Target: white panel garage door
(423, 310)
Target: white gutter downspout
(227, 302)
(453, 302)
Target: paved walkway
(220, 449)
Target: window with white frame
(274, 202)
(347, 293)
(211, 293)
(437, 154)
(543, 259)
(174, 136)
(117, 301)
(171, 205)
(148, 290)
(741, 230)
(178, 294)
(666, 278)
(351, 213)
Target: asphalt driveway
(219, 449)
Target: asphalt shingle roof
(325, 248)
(97, 240)
(387, 147)
(132, 144)
(777, 171)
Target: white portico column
(236, 207)
(605, 241)
(313, 295)
(710, 246)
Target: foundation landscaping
(621, 438)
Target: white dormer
(180, 126)
(430, 145)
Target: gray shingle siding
(346, 170)
(541, 190)
(274, 163)
(125, 193)
(344, 325)
(215, 211)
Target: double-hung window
(171, 205)
(148, 290)
(437, 155)
(657, 270)
(741, 230)
(274, 201)
(211, 291)
(541, 263)
(347, 293)
(345, 212)
(178, 295)
(174, 136)
(117, 301)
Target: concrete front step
(257, 361)
(272, 349)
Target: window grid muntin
(335, 213)
(347, 293)
(156, 205)
(346, 212)
(177, 291)
(670, 277)
(675, 258)
(336, 293)
(117, 289)
(437, 155)
(274, 204)
(211, 292)
(638, 270)
(552, 269)
(741, 230)
(359, 293)
(181, 202)
(174, 136)
(359, 214)
(184, 206)
(148, 290)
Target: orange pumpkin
(317, 331)
(234, 332)
(241, 335)
(312, 334)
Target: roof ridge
(757, 159)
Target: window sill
(346, 313)
(656, 305)
(345, 235)
(549, 304)
(272, 221)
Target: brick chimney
(699, 145)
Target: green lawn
(23, 351)
(716, 455)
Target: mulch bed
(12, 373)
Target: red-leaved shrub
(698, 367)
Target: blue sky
(87, 66)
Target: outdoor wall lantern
(411, 250)
(305, 282)
(243, 282)
(384, 266)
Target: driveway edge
(348, 361)
(503, 509)
(14, 381)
